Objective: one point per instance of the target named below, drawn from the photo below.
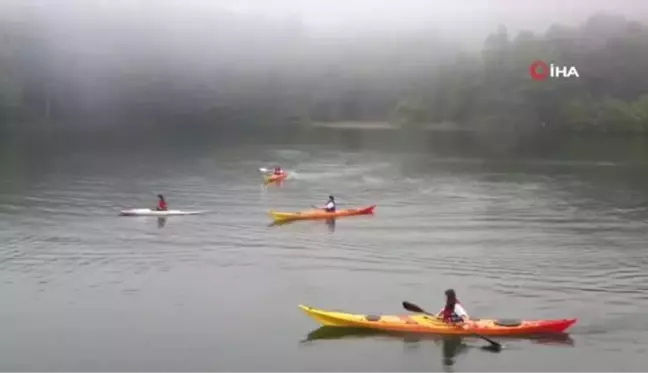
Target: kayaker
(162, 205)
(330, 205)
(453, 312)
(278, 171)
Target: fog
(467, 18)
(151, 58)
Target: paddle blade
(493, 347)
(413, 307)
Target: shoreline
(356, 125)
(384, 125)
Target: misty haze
(176, 177)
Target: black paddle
(414, 308)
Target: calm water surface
(528, 236)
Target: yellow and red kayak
(320, 214)
(421, 323)
(275, 178)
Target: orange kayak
(320, 214)
(275, 178)
(431, 325)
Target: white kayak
(149, 212)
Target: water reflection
(330, 223)
(327, 332)
(161, 222)
(451, 346)
(270, 184)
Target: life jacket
(449, 315)
(162, 205)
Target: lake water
(548, 232)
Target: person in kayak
(162, 205)
(453, 312)
(330, 205)
(278, 171)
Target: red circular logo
(539, 70)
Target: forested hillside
(495, 88)
(232, 68)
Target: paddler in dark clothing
(330, 204)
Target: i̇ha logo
(540, 70)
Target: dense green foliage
(610, 94)
(238, 68)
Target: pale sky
(449, 16)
